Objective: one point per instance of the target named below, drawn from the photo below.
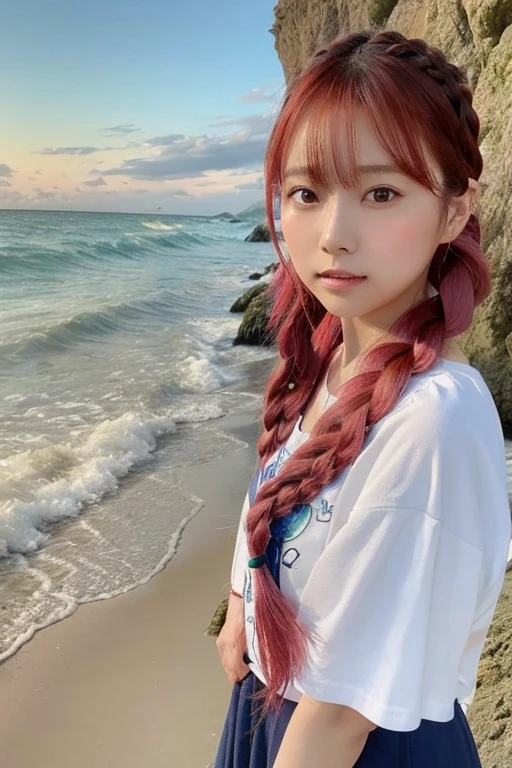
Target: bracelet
(236, 594)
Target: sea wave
(160, 226)
(87, 254)
(92, 325)
(64, 478)
(42, 486)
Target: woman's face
(386, 230)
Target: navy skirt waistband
(443, 745)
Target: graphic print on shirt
(248, 587)
(289, 527)
(283, 530)
(271, 470)
(324, 514)
(286, 529)
(254, 485)
(254, 654)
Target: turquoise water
(114, 331)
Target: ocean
(117, 362)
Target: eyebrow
(302, 170)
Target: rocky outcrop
(253, 329)
(490, 715)
(242, 303)
(260, 234)
(476, 35)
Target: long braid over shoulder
(414, 99)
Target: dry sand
(132, 682)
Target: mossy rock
(253, 329)
(490, 715)
(218, 619)
(243, 302)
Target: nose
(336, 227)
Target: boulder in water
(242, 303)
(260, 234)
(253, 329)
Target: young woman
(374, 535)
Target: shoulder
(440, 451)
(448, 403)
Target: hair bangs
(327, 124)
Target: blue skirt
(446, 745)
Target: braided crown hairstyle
(414, 99)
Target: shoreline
(119, 681)
(132, 680)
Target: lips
(340, 273)
(341, 283)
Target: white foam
(214, 329)
(66, 604)
(160, 226)
(41, 486)
(200, 374)
(195, 411)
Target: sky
(138, 107)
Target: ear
(462, 208)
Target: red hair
(414, 99)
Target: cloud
(186, 157)
(166, 141)
(42, 194)
(251, 186)
(4, 183)
(83, 151)
(120, 130)
(259, 125)
(68, 151)
(99, 182)
(5, 170)
(257, 94)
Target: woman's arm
(321, 734)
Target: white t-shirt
(397, 566)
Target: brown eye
(382, 194)
(303, 195)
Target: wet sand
(132, 681)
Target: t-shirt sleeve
(390, 603)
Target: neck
(358, 336)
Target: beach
(132, 680)
(127, 444)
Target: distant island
(226, 216)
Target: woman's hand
(231, 642)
